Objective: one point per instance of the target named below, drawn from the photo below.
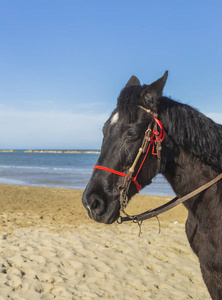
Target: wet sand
(50, 249)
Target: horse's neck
(188, 173)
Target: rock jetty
(63, 151)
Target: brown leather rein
(152, 138)
(169, 205)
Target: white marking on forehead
(114, 119)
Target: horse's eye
(129, 134)
(131, 137)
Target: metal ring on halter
(120, 220)
(146, 132)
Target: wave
(45, 168)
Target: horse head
(123, 134)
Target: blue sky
(64, 62)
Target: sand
(50, 249)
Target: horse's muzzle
(99, 209)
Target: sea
(60, 170)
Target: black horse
(190, 157)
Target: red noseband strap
(138, 186)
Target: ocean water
(61, 170)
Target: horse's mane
(193, 131)
(186, 126)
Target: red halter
(159, 138)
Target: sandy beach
(50, 249)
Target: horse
(185, 146)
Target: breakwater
(62, 151)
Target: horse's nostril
(95, 204)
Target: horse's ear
(133, 81)
(154, 91)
